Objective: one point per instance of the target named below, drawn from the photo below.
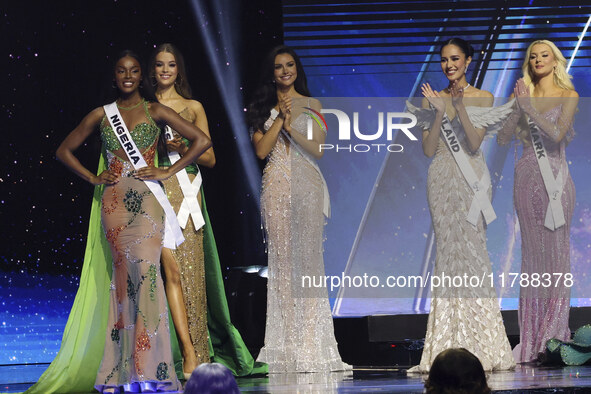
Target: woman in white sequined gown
(460, 316)
(299, 334)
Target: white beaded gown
(467, 317)
(299, 333)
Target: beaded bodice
(144, 134)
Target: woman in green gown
(119, 320)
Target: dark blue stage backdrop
(380, 221)
(58, 67)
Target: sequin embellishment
(162, 371)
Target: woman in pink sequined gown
(299, 334)
(546, 100)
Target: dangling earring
(113, 84)
(153, 79)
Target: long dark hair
(181, 85)
(144, 87)
(265, 96)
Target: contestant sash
(554, 212)
(312, 162)
(480, 201)
(190, 205)
(305, 155)
(173, 236)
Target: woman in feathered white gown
(461, 315)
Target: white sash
(554, 212)
(190, 204)
(326, 196)
(305, 155)
(480, 201)
(173, 236)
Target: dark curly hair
(456, 371)
(265, 96)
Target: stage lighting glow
(572, 58)
(219, 38)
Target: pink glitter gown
(299, 333)
(543, 311)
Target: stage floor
(526, 378)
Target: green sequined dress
(137, 354)
(124, 335)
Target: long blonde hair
(561, 78)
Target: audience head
(456, 371)
(211, 378)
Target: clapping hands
(456, 93)
(285, 104)
(523, 97)
(433, 97)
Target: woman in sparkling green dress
(118, 325)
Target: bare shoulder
(157, 110)
(155, 106)
(315, 103)
(570, 98)
(484, 98)
(96, 113)
(485, 93)
(195, 106)
(95, 116)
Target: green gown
(225, 343)
(75, 367)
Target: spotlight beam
(221, 54)
(572, 58)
